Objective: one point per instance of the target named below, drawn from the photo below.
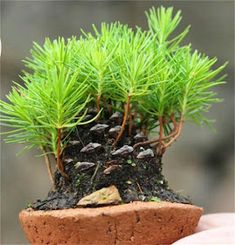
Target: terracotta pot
(136, 223)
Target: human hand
(212, 229)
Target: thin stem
(172, 134)
(98, 103)
(49, 170)
(141, 122)
(108, 105)
(110, 109)
(140, 189)
(179, 129)
(95, 173)
(130, 124)
(59, 163)
(145, 130)
(79, 137)
(172, 117)
(160, 130)
(126, 112)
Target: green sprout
(155, 199)
(154, 80)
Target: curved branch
(161, 139)
(180, 125)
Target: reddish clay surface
(138, 223)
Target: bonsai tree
(130, 81)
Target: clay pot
(142, 223)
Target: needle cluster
(150, 76)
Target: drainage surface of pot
(134, 223)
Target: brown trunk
(159, 145)
(98, 103)
(178, 132)
(172, 116)
(59, 163)
(130, 124)
(126, 112)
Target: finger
(210, 221)
(221, 235)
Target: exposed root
(163, 142)
(154, 140)
(179, 129)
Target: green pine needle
(150, 68)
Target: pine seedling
(95, 54)
(48, 107)
(163, 23)
(151, 78)
(136, 68)
(183, 89)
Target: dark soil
(135, 178)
